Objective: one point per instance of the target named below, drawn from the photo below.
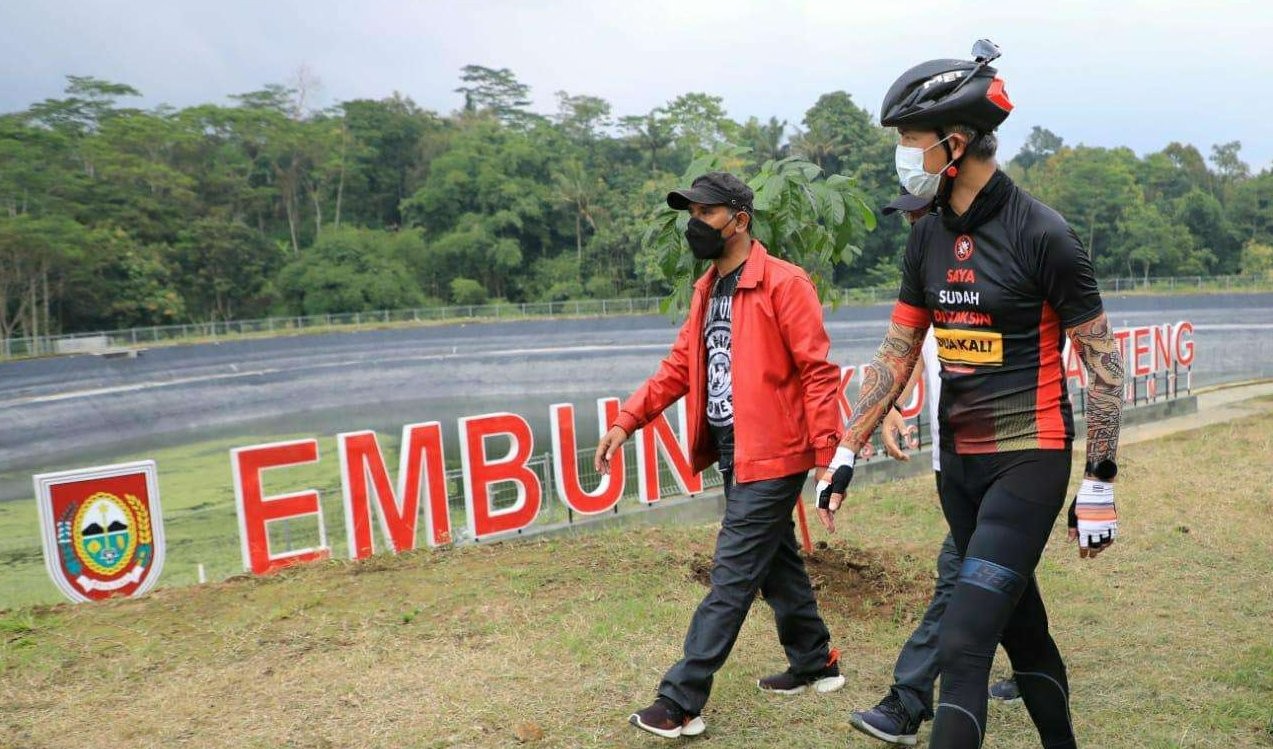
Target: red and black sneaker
(826, 679)
(666, 718)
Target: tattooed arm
(883, 380)
(1104, 362)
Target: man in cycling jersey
(1002, 279)
(897, 717)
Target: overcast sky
(1140, 73)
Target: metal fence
(108, 341)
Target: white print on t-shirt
(720, 384)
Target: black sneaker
(666, 718)
(888, 721)
(828, 679)
(1005, 690)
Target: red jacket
(786, 418)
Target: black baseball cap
(906, 203)
(714, 188)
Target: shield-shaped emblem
(102, 529)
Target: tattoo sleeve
(1104, 362)
(883, 381)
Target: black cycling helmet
(939, 93)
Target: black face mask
(706, 241)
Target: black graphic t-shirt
(1000, 295)
(718, 334)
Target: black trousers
(1001, 509)
(756, 550)
(916, 669)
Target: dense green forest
(114, 216)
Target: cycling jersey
(999, 285)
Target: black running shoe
(888, 721)
(827, 679)
(1005, 690)
(666, 718)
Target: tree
(805, 220)
(1204, 217)
(699, 122)
(1039, 146)
(391, 142)
(35, 253)
(1250, 208)
(90, 102)
(576, 188)
(842, 134)
(467, 291)
(1229, 166)
(1187, 159)
(821, 145)
(496, 92)
(475, 248)
(122, 283)
(582, 118)
(502, 179)
(1150, 241)
(653, 131)
(349, 270)
(1091, 188)
(225, 266)
(764, 138)
(1257, 260)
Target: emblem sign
(102, 530)
(963, 247)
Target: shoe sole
(673, 733)
(692, 728)
(824, 685)
(873, 732)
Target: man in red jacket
(751, 361)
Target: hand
(613, 440)
(894, 426)
(1093, 518)
(831, 487)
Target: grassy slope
(1167, 635)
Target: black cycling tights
(1000, 508)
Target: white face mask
(911, 173)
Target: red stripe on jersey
(911, 316)
(1047, 404)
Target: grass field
(553, 642)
